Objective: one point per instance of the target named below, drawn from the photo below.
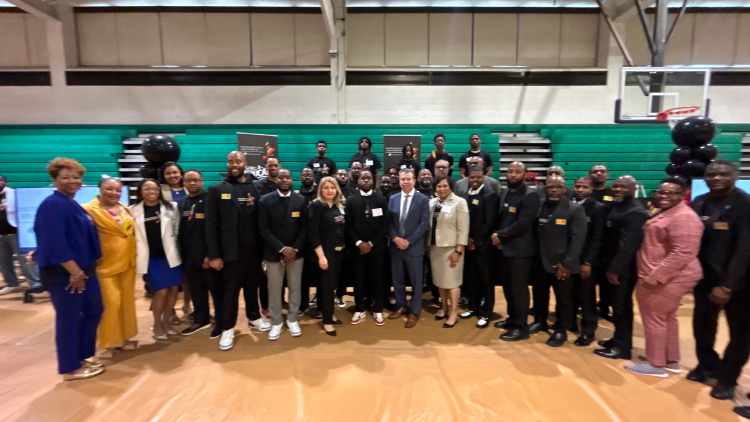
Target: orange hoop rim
(675, 113)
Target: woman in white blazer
(449, 235)
(157, 255)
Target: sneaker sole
(193, 332)
(648, 375)
(274, 338)
(295, 334)
(262, 330)
(674, 371)
(358, 321)
(225, 348)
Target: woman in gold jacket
(116, 268)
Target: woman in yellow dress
(116, 268)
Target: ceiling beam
(37, 8)
(627, 8)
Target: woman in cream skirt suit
(449, 235)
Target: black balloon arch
(694, 150)
(158, 149)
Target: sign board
(257, 147)
(27, 201)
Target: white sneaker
(260, 324)
(294, 329)
(10, 289)
(482, 322)
(275, 332)
(358, 317)
(226, 341)
(379, 320)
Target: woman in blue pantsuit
(67, 250)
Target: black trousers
(705, 320)
(478, 282)
(246, 274)
(329, 280)
(369, 281)
(516, 274)
(201, 282)
(563, 299)
(263, 290)
(310, 278)
(348, 273)
(584, 297)
(621, 298)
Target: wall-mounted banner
(257, 147)
(393, 146)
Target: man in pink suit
(668, 269)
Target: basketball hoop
(675, 114)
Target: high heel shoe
(331, 333)
(446, 325)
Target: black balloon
(693, 168)
(679, 155)
(693, 131)
(160, 149)
(705, 153)
(672, 169)
(149, 171)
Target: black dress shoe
(557, 339)
(722, 392)
(573, 328)
(584, 340)
(743, 411)
(606, 343)
(503, 323)
(698, 374)
(537, 327)
(613, 352)
(514, 334)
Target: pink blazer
(669, 252)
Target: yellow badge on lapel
(608, 198)
(226, 196)
(721, 225)
(295, 214)
(199, 216)
(561, 221)
(475, 202)
(512, 210)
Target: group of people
(418, 228)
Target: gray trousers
(9, 249)
(275, 272)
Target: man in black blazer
(321, 165)
(281, 218)
(367, 230)
(515, 236)
(584, 285)
(724, 255)
(623, 233)
(191, 240)
(478, 283)
(561, 231)
(233, 242)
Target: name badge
(187, 213)
(403, 166)
(607, 198)
(721, 225)
(295, 214)
(561, 221)
(377, 212)
(226, 196)
(339, 219)
(446, 209)
(199, 216)
(512, 210)
(368, 163)
(316, 165)
(474, 202)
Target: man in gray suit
(490, 183)
(409, 224)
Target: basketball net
(675, 114)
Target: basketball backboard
(645, 92)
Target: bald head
(555, 171)
(554, 187)
(624, 188)
(516, 173)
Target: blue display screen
(27, 201)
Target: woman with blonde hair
(115, 268)
(327, 232)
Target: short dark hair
(723, 163)
(200, 173)
(321, 141)
(407, 170)
(675, 180)
(451, 183)
(105, 178)
(438, 135)
(475, 167)
(139, 193)
(586, 178)
(366, 139)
